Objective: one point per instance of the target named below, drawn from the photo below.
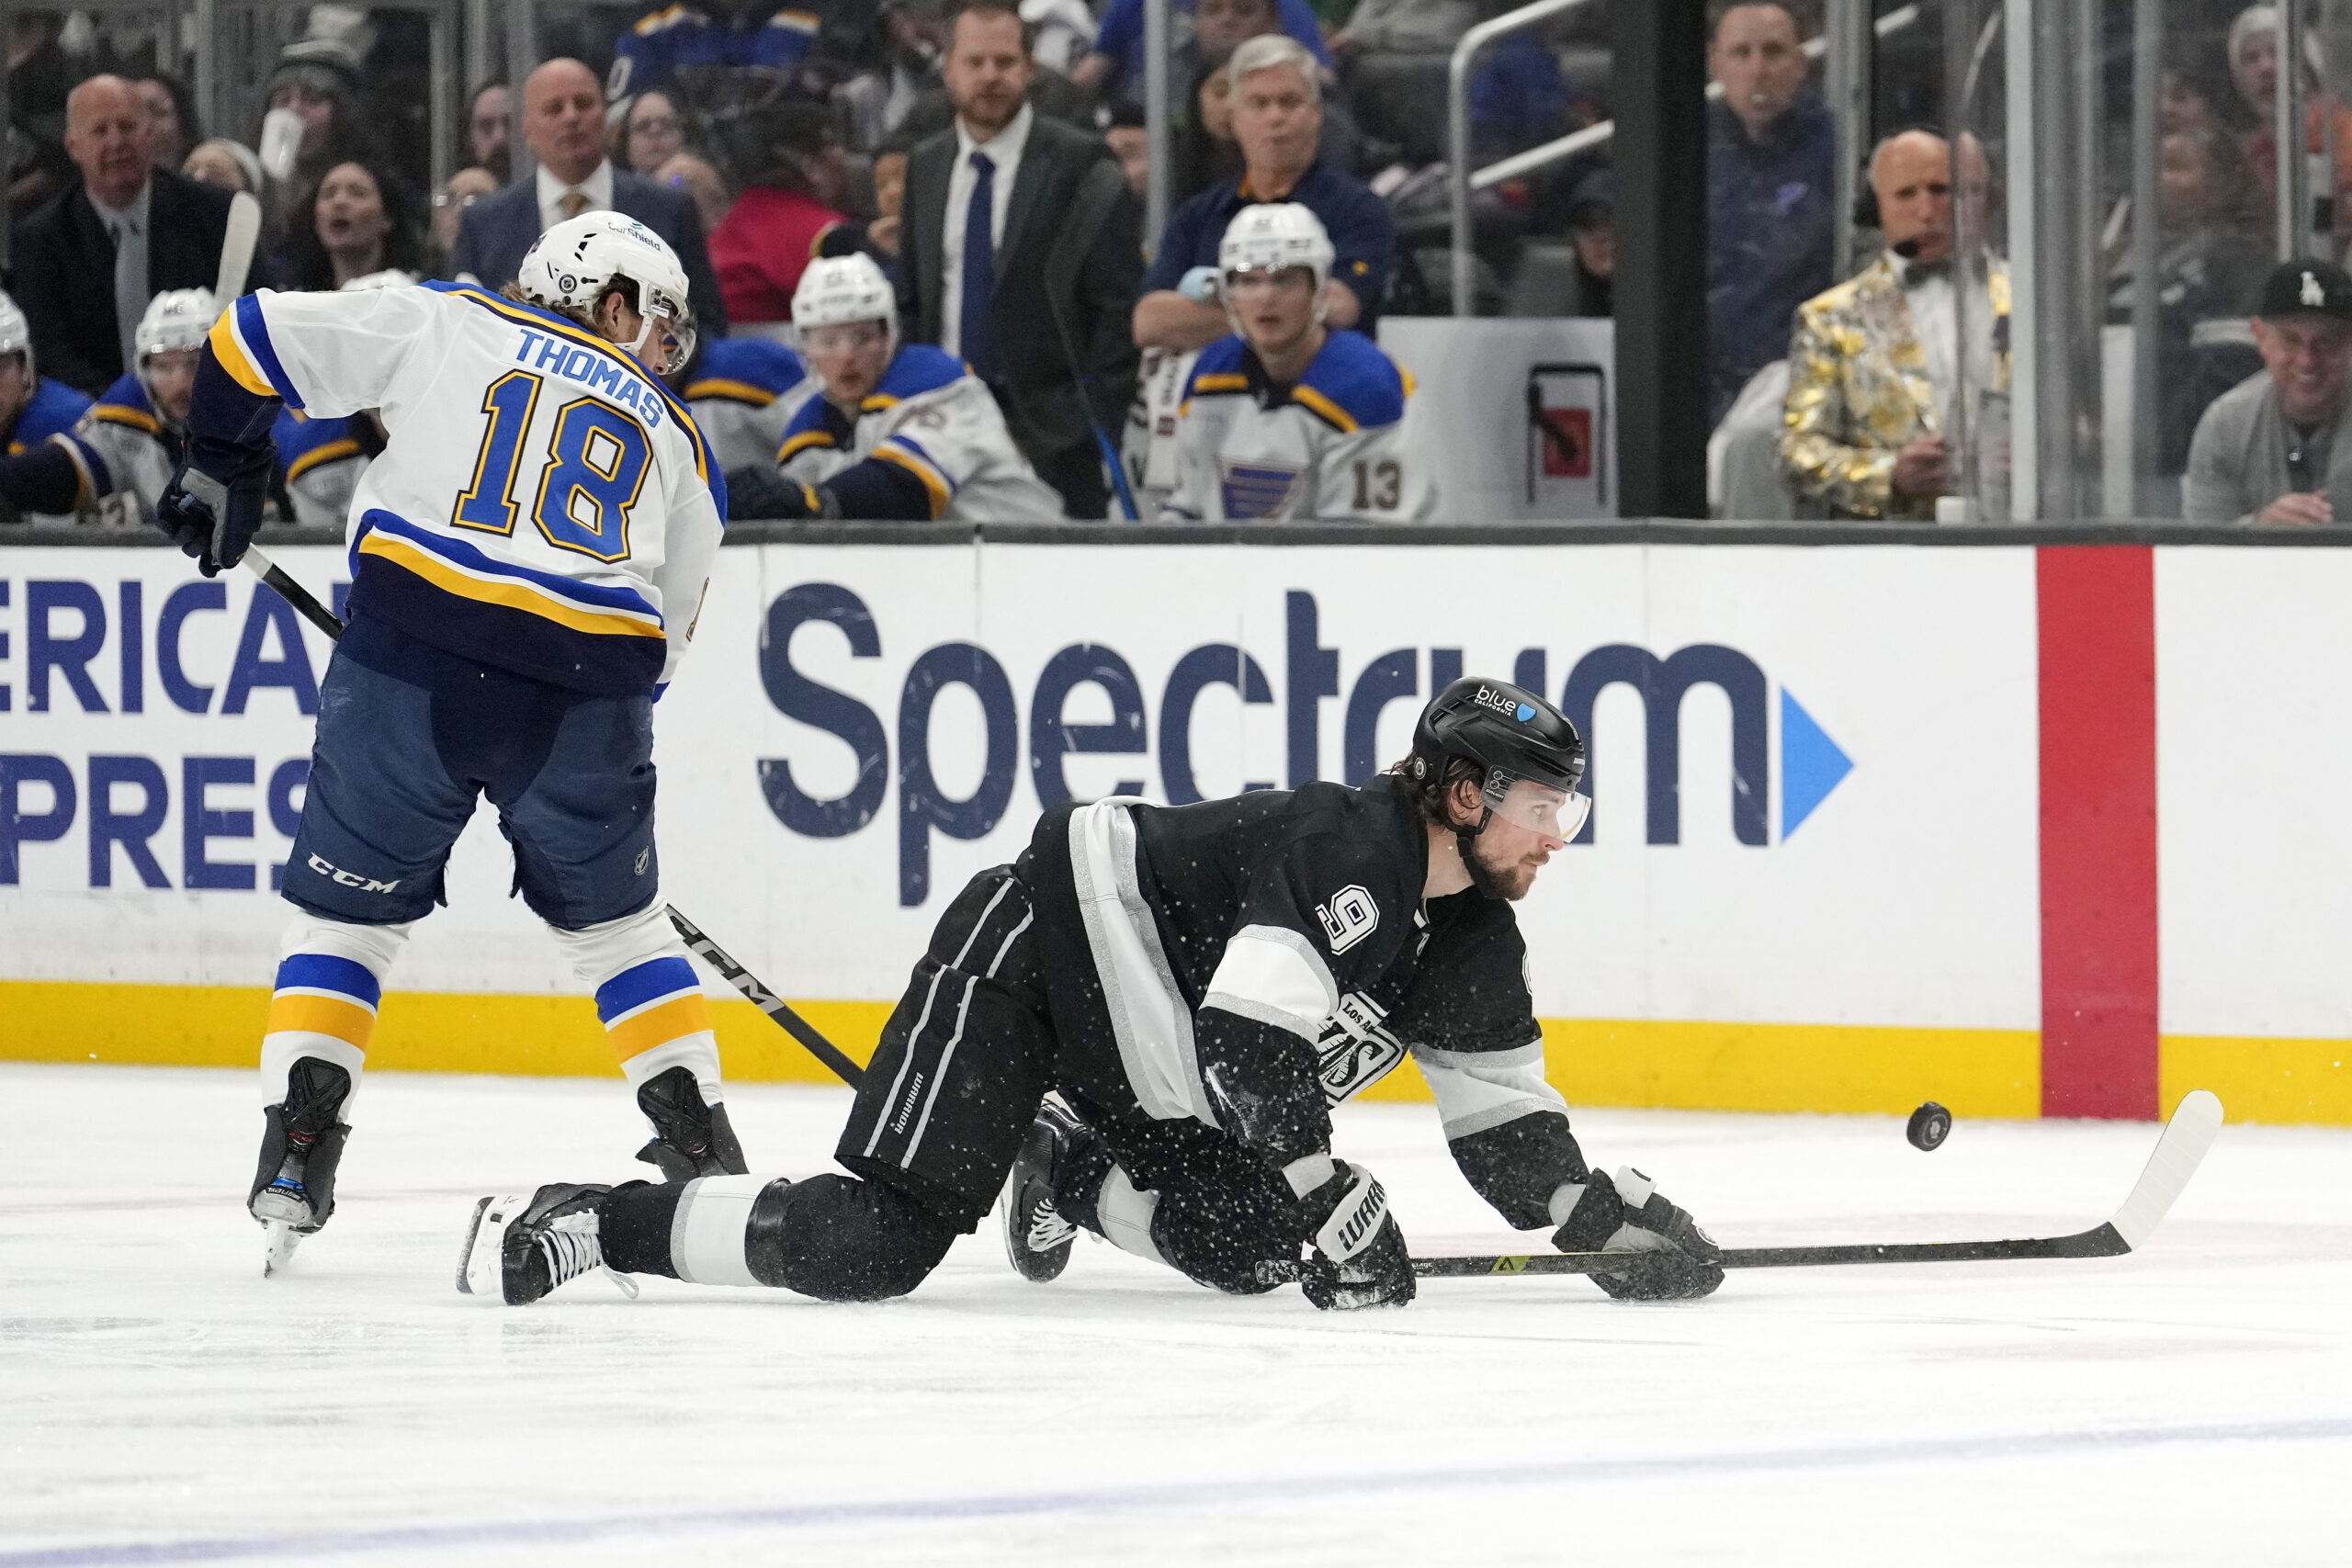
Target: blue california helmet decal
(1525, 713)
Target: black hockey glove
(1360, 1259)
(1673, 1259)
(757, 492)
(211, 509)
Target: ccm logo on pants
(351, 879)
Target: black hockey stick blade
(2179, 1150)
(767, 1001)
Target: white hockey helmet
(1274, 237)
(175, 318)
(17, 335)
(569, 267)
(837, 290)
(391, 278)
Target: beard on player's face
(1502, 859)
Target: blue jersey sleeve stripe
(255, 332)
(324, 972)
(647, 982)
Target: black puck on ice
(1930, 1125)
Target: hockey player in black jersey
(1139, 1029)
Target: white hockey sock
(649, 997)
(330, 980)
(710, 1227)
(1125, 1212)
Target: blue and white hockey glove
(211, 509)
(1674, 1259)
(1199, 283)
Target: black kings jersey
(1249, 963)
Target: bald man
(87, 263)
(1876, 366)
(564, 125)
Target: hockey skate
(520, 1247)
(293, 1191)
(690, 1138)
(1051, 1189)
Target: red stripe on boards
(2097, 609)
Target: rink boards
(2024, 830)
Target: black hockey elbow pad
(757, 492)
(1261, 1084)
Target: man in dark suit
(87, 263)
(1020, 249)
(563, 123)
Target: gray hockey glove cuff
(1674, 1258)
(211, 509)
(1360, 1259)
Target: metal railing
(1461, 179)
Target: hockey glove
(211, 509)
(758, 492)
(1674, 1259)
(1360, 1259)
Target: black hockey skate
(521, 1247)
(302, 1144)
(1051, 1191)
(690, 1138)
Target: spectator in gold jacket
(1874, 371)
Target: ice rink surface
(161, 1402)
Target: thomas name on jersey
(595, 370)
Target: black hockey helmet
(1516, 737)
(1497, 725)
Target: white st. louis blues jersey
(934, 419)
(321, 461)
(541, 504)
(744, 392)
(1338, 446)
(125, 454)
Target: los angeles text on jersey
(596, 371)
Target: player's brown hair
(1431, 792)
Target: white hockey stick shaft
(237, 248)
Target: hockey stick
(1082, 384)
(709, 952)
(767, 1001)
(2178, 1150)
(237, 249)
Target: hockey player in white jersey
(118, 455)
(322, 458)
(744, 392)
(898, 431)
(34, 414)
(530, 553)
(1288, 419)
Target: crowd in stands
(989, 158)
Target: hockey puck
(1930, 1125)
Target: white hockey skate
(523, 1245)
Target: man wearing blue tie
(1021, 253)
